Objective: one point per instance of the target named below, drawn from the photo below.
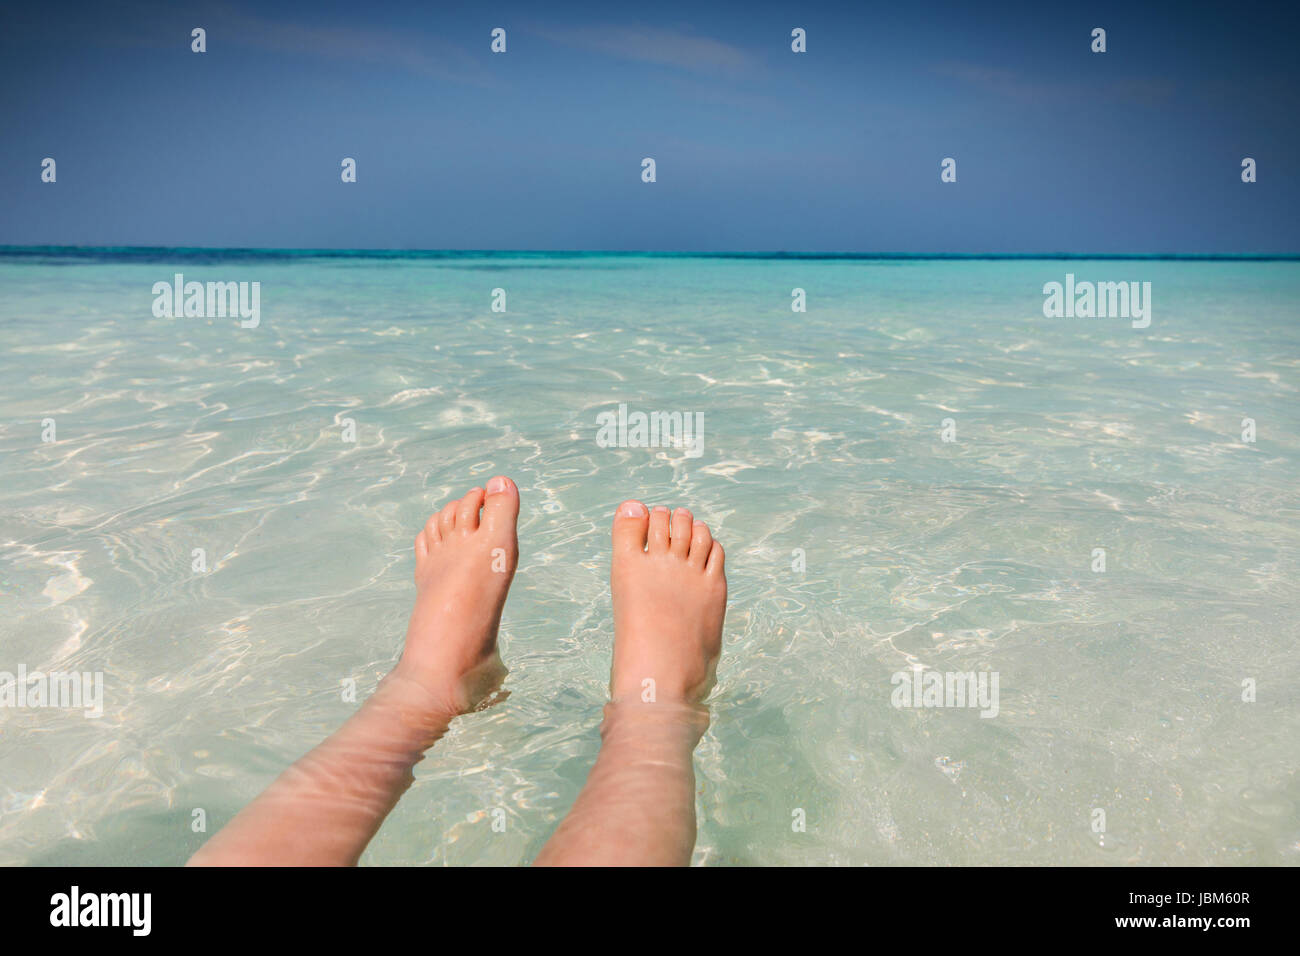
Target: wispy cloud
(149, 23)
(664, 47)
(422, 55)
(1014, 85)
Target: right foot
(670, 596)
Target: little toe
(716, 560)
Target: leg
(670, 596)
(326, 807)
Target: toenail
(496, 485)
(632, 509)
(661, 507)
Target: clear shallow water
(1119, 691)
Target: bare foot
(670, 596)
(465, 558)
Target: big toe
(501, 506)
(631, 522)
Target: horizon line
(17, 251)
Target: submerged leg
(325, 808)
(670, 596)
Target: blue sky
(1058, 149)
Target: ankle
(668, 721)
(406, 687)
(458, 693)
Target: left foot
(465, 558)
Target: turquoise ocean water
(859, 544)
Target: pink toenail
(632, 509)
(496, 485)
(661, 507)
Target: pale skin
(638, 805)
